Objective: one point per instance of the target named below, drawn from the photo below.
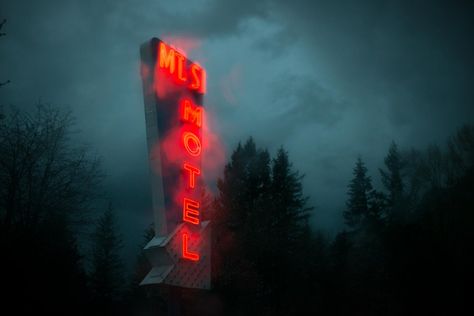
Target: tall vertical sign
(173, 89)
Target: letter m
(167, 57)
(191, 114)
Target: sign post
(173, 90)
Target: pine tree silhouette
(392, 177)
(358, 203)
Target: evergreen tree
(259, 216)
(290, 212)
(229, 263)
(260, 221)
(377, 206)
(339, 274)
(107, 269)
(392, 177)
(360, 188)
(238, 238)
(206, 202)
(460, 154)
(288, 228)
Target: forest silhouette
(406, 247)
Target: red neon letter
(181, 67)
(198, 75)
(190, 113)
(191, 211)
(192, 172)
(186, 254)
(166, 57)
(192, 144)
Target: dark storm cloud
(304, 101)
(327, 79)
(413, 54)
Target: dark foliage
(360, 188)
(407, 249)
(46, 189)
(261, 232)
(106, 278)
(416, 258)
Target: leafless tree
(1, 26)
(3, 34)
(43, 173)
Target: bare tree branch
(1, 25)
(42, 172)
(3, 34)
(4, 83)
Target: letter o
(192, 144)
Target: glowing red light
(167, 58)
(198, 75)
(192, 144)
(181, 67)
(178, 144)
(174, 62)
(179, 71)
(191, 113)
(193, 171)
(191, 211)
(186, 253)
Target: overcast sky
(328, 80)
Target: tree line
(406, 246)
(48, 190)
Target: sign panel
(173, 89)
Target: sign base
(164, 253)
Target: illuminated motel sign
(173, 89)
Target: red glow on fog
(190, 112)
(188, 149)
(186, 253)
(191, 211)
(181, 59)
(172, 63)
(212, 149)
(166, 58)
(213, 153)
(193, 171)
(198, 78)
(173, 154)
(192, 144)
(185, 44)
